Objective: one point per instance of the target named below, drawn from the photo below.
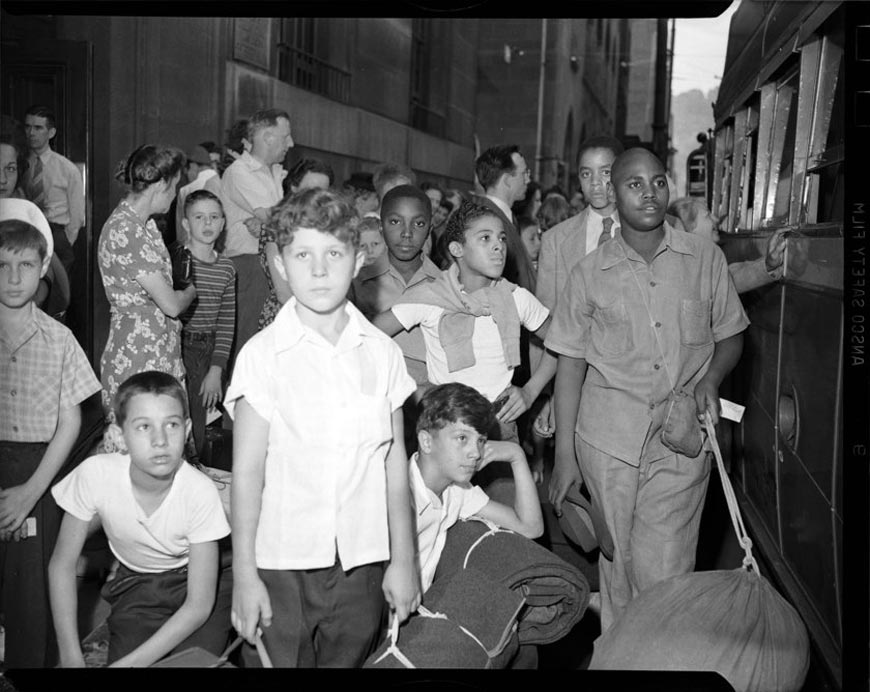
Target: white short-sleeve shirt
(490, 374)
(329, 409)
(434, 516)
(190, 513)
(246, 185)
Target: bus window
(823, 196)
(722, 174)
(785, 124)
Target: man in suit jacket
(564, 245)
(503, 174)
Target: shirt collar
(45, 156)
(290, 331)
(613, 253)
(423, 497)
(383, 266)
(255, 164)
(30, 328)
(501, 204)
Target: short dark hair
(409, 192)
(461, 219)
(327, 211)
(601, 142)
(200, 196)
(263, 119)
(455, 403)
(303, 166)
(149, 164)
(41, 111)
(148, 382)
(494, 163)
(524, 222)
(17, 235)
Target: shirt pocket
(611, 330)
(695, 327)
(372, 419)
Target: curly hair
(461, 219)
(327, 211)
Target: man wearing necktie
(54, 183)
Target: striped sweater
(214, 309)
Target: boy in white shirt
(320, 497)
(163, 519)
(452, 441)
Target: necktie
(605, 234)
(37, 191)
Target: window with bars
(428, 86)
(304, 59)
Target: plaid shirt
(42, 370)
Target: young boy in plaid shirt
(45, 376)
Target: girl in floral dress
(144, 330)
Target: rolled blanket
(556, 593)
(467, 621)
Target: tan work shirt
(640, 327)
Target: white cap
(12, 208)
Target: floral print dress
(141, 336)
(272, 304)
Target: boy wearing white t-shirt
(163, 519)
(452, 446)
(471, 317)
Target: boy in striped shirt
(209, 322)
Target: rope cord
(733, 509)
(493, 529)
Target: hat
(25, 210)
(583, 524)
(200, 155)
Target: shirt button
(652, 406)
(658, 324)
(15, 428)
(13, 392)
(656, 366)
(14, 360)
(652, 283)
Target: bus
(778, 162)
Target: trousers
(653, 512)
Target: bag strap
(733, 509)
(261, 650)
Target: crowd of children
(381, 381)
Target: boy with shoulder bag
(650, 325)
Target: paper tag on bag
(730, 410)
